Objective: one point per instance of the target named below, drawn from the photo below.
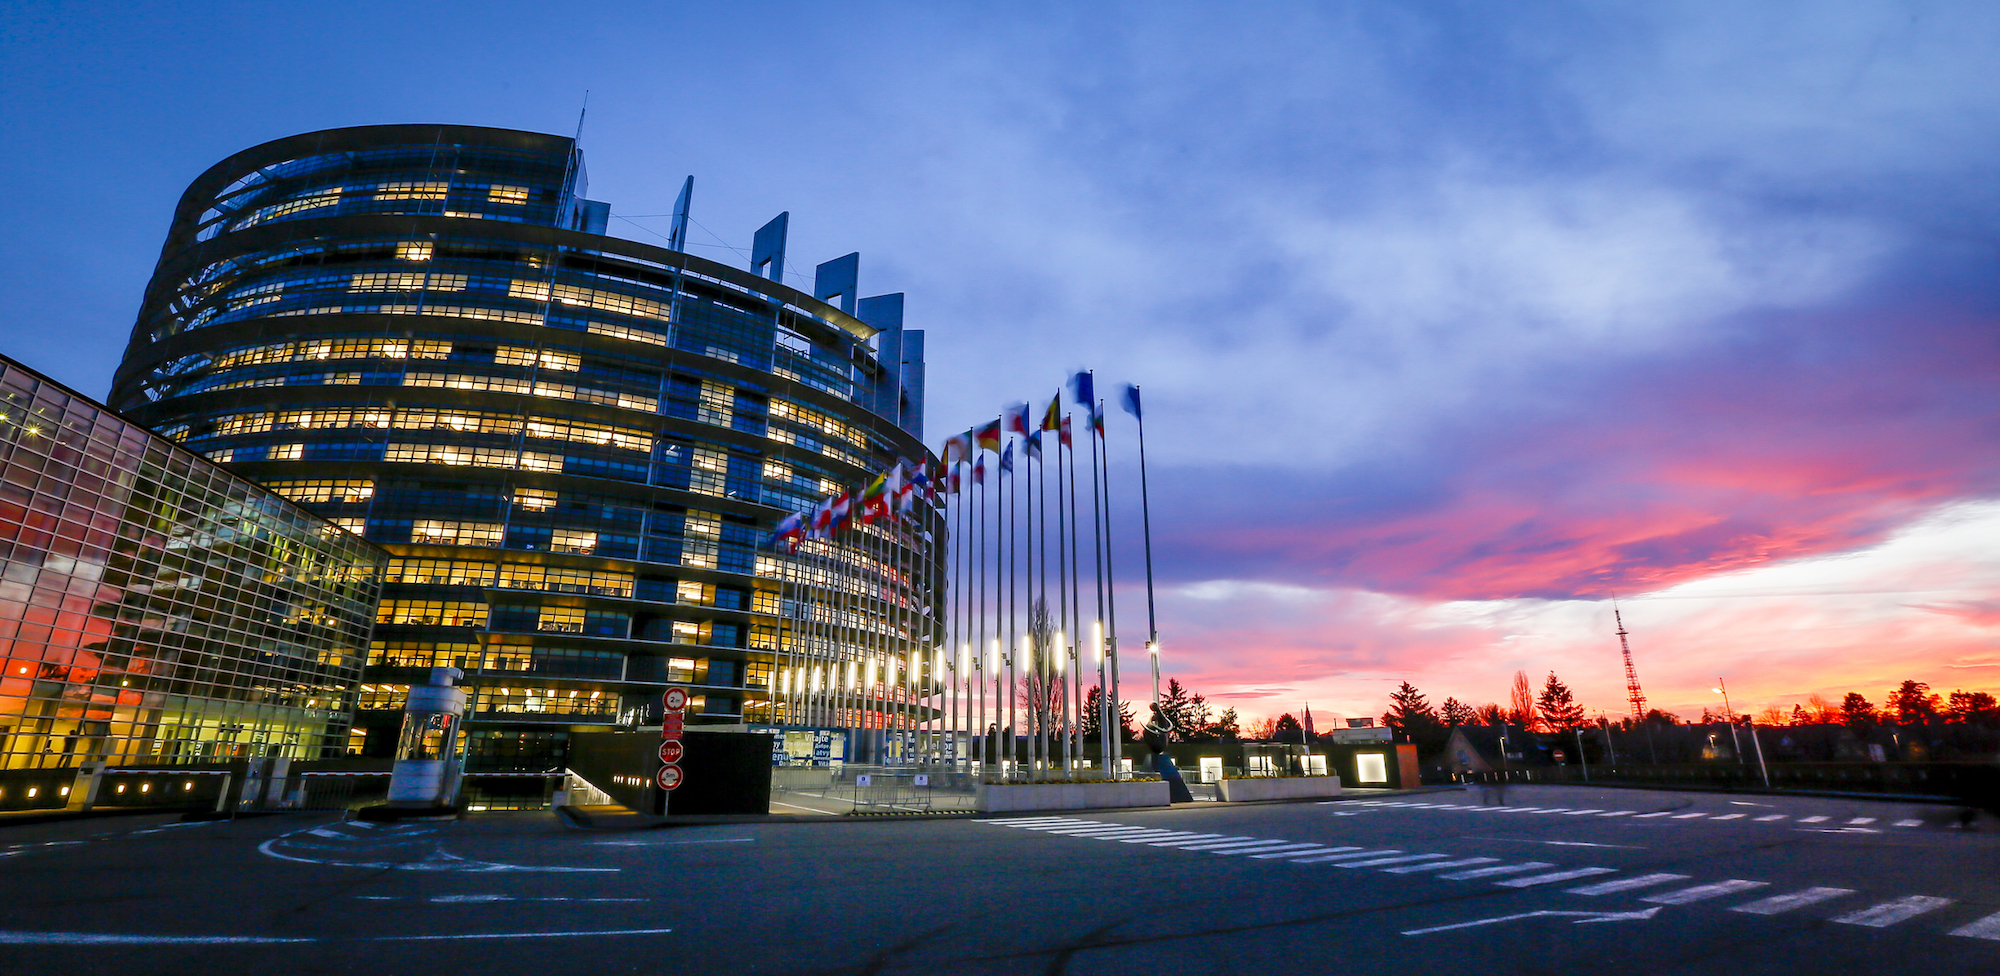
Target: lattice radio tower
(1632, 692)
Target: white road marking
(1017, 820)
(1542, 879)
(1102, 831)
(1890, 912)
(1553, 810)
(1579, 813)
(1777, 904)
(1324, 858)
(1263, 847)
(1814, 819)
(1310, 849)
(1587, 917)
(1185, 840)
(1648, 816)
(1858, 821)
(1204, 845)
(1463, 862)
(1379, 861)
(1618, 813)
(1909, 823)
(1065, 825)
(1181, 835)
(1767, 818)
(1627, 884)
(1985, 928)
(1493, 872)
(1688, 816)
(1731, 816)
(1703, 892)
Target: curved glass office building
(572, 446)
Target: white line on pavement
(1649, 816)
(1627, 884)
(1464, 862)
(1269, 848)
(1157, 841)
(1814, 819)
(1890, 912)
(1688, 816)
(1291, 854)
(1858, 821)
(1797, 899)
(1703, 892)
(1492, 872)
(1985, 928)
(1579, 813)
(1618, 813)
(1909, 823)
(1731, 816)
(1324, 858)
(1767, 818)
(1188, 840)
(1542, 879)
(1379, 861)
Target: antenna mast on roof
(1632, 692)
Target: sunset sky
(1454, 320)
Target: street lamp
(1721, 688)
(1763, 771)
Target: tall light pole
(1722, 688)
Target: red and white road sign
(669, 777)
(676, 699)
(672, 726)
(671, 751)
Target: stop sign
(669, 777)
(671, 751)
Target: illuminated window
(436, 613)
(573, 540)
(508, 194)
(690, 591)
(546, 358)
(414, 251)
(449, 533)
(564, 620)
(354, 525)
(406, 281)
(411, 191)
(310, 492)
(286, 452)
(535, 499)
(686, 632)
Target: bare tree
(1521, 702)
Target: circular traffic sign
(669, 777)
(670, 751)
(675, 699)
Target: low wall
(1281, 788)
(1012, 797)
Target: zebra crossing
(1656, 888)
(1856, 823)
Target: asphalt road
(1562, 880)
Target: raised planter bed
(1012, 797)
(1279, 788)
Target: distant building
(572, 445)
(155, 608)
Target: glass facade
(155, 608)
(573, 446)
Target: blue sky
(1453, 318)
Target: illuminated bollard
(427, 750)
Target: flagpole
(1010, 492)
(1111, 593)
(1072, 607)
(979, 651)
(1062, 600)
(1146, 520)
